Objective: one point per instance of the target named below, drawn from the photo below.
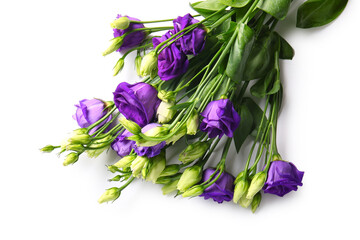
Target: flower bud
(138, 60)
(156, 167)
(159, 131)
(241, 189)
(120, 23)
(192, 123)
(193, 151)
(194, 191)
(75, 147)
(71, 158)
(170, 187)
(47, 148)
(145, 170)
(118, 66)
(168, 179)
(116, 178)
(113, 169)
(239, 177)
(79, 131)
(80, 139)
(148, 64)
(189, 178)
(138, 164)
(166, 96)
(180, 133)
(110, 194)
(115, 45)
(101, 145)
(256, 184)
(170, 170)
(125, 162)
(256, 202)
(245, 202)
(164, 112)
(129, 125)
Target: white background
(50, 53)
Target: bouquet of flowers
(204, 78)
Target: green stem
(101, 119)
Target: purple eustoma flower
(222, 189)
(121, 145)
(220, 118)
(89, 112)
(172, 62)
(192, 42)
(150, 151)
(283, 177)
(137, 102)
(132, 39)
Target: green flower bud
(167, 96)
(157, 132)
(245, 202)
(180, 133)
(115, 45)
(239, 177)
(149, 64)
(256, 184)
(120, 23)
(256, 202)
(138, 60)
(170, 187)
(145, 170)
(113, 169)
(194, 191)
(142, 142)
(129, 125)
(156, 167)
(75, 147)
(125, 162)
(101, 145)
(240, 190)
(118, 66)
(170, 170)
(80, 139)
(193, 151)
(168, 179)
(79, 131)
(189, 178)
(71, 158)
(47, 148)
(138, 164)
(164, 113)
(110, 194)
(192, 123)
(116, 178)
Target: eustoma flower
(172, 62)
(89, 112)
(283, 177)
(192, 42)
(220, 118)
(222, 189)
(121, 145)
(149, 151)
(131, 39)
(137, 102)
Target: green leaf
(286, 51)
(276, 8)
(316, 13)
(225, 36)
(256, 113)
(245, 127)
(181, 106)
(261, 56)
(207, 6)
(239, 53)
(235, 3)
